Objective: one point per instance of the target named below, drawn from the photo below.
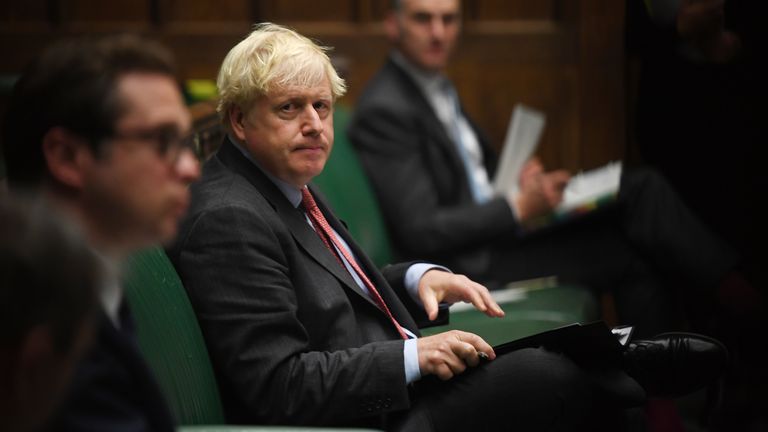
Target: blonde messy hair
(271, 57)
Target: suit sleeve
(235, 267)
(397, 155)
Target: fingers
(530, 171)
(469, 291)
(439, 286)
(429, 300)
(493, 309)
(481, 299)
(559, 178)
(479, 344)
(448, 354)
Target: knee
(553, 386)
(640, 179)
(552, 370)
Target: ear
(237, 122)
(66, 156)
(392, 26)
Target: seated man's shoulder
(385, 91)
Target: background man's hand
(540, 192)
(448, 354)
(438, 286)
(701, 23)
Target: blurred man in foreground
(98, 128)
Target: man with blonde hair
(301, 326)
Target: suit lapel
(293, 218)
(393, 302)
(429, 116)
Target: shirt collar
(111, 291)
(291, 192)
(426, 81)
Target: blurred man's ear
(66, 155)
(237, 122)
(392, 26)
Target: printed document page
(523, 133)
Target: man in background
(431, 169)
(98, 128)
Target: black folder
(588, 345)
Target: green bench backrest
(170, 338)
(345, 185)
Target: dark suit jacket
(420, 180)
(113, 389)
(293, 339)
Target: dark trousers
(525, 390)
(647, 249)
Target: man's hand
(448, 354)
(438, 286)
(701, 23)
(540, 192)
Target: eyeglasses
(167, 142)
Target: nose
(187, 166)
(312, 125)
(437, 27)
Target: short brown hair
(72, 84)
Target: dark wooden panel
(564, 57)
(202, 12)
(27, 15)
(499, 10)
(601, 66)
(308, 10)
(112, 15)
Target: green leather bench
(534, 311)
(345, 186)
(170, 339)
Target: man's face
(289, 132)
(426, 31)
(136, 190)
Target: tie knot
(307, 200)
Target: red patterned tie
(326, 233)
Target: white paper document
(523, 133)
(584, 189)
(589, 186)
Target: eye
(288, 107)
(422, 18)
(449, 19)
(166, 138)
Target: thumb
(429, 300)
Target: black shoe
(675, 364)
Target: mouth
(310, 148)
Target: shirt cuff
(411, 361)
(414, 274)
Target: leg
(526, 390)
(663, 229)
(595, 253)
